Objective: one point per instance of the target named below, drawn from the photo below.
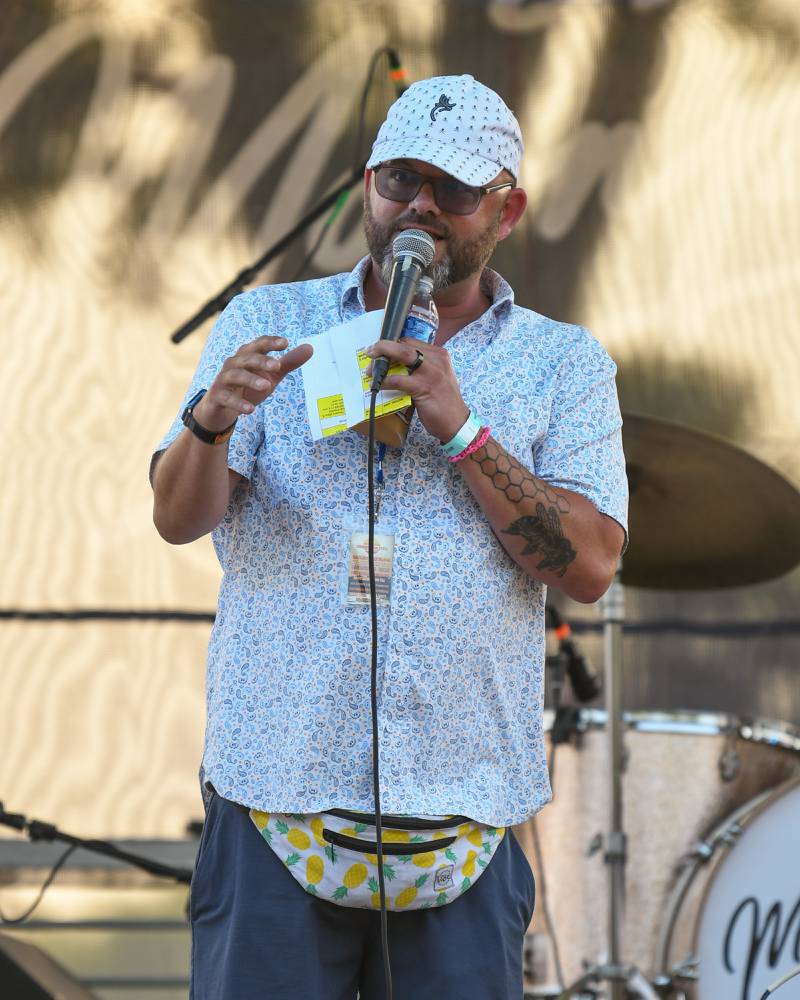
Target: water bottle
(421, 324)
(423, 319)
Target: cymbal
(704, 514)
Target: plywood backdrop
(149, 151)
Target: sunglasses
(453, 197)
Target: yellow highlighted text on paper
(383, 404)
(332, 416)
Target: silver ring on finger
(416, 362)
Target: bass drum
(740, 893)
(684, 774)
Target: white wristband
(464, 437)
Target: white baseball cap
(454, 123)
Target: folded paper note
(336, 388)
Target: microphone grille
(417, 243)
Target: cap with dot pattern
(454, 123)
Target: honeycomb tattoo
(541, 529)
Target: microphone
(413, 251)
(397, 73)
(585, 682)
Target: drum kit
(702, 879)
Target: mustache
(407, 221)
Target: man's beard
(462, 258)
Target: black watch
(205, 435)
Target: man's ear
(367, 181)
(515, 205)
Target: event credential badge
(358, 568)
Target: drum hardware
(673, 773)
(534, 958)
(664, 988)
(595, 844)
(780, 982)
(731, 835)
(626, 978)
(548, 994)
(686, 972)
(729, 764)
(617, 975)
(570, 663)
(665, 464)
(565, 724)
(667, 986)
(566, 718)
(704, 850)
(725, 836)
(583, 680)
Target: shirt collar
(351, 302)
(352, 298)
(498, 290)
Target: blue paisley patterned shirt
(461, 669)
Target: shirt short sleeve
(236, 326)
(582, 449)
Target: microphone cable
(7, 921)
(373, 605)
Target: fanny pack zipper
(392, 847)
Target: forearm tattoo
(541, 530)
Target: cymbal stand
(613, 971)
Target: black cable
(542, 899)
(373, 605)
(542, 888)
(362, 111)
(720, 630)
(357, 161)
(104, 614)
(45, 886)
(321, 236)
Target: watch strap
(203, 433)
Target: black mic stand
(245, 277)
(216, 304)
(37, 830)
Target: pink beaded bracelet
(479, 442)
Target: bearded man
(511, 480)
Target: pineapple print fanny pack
(426, 861)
